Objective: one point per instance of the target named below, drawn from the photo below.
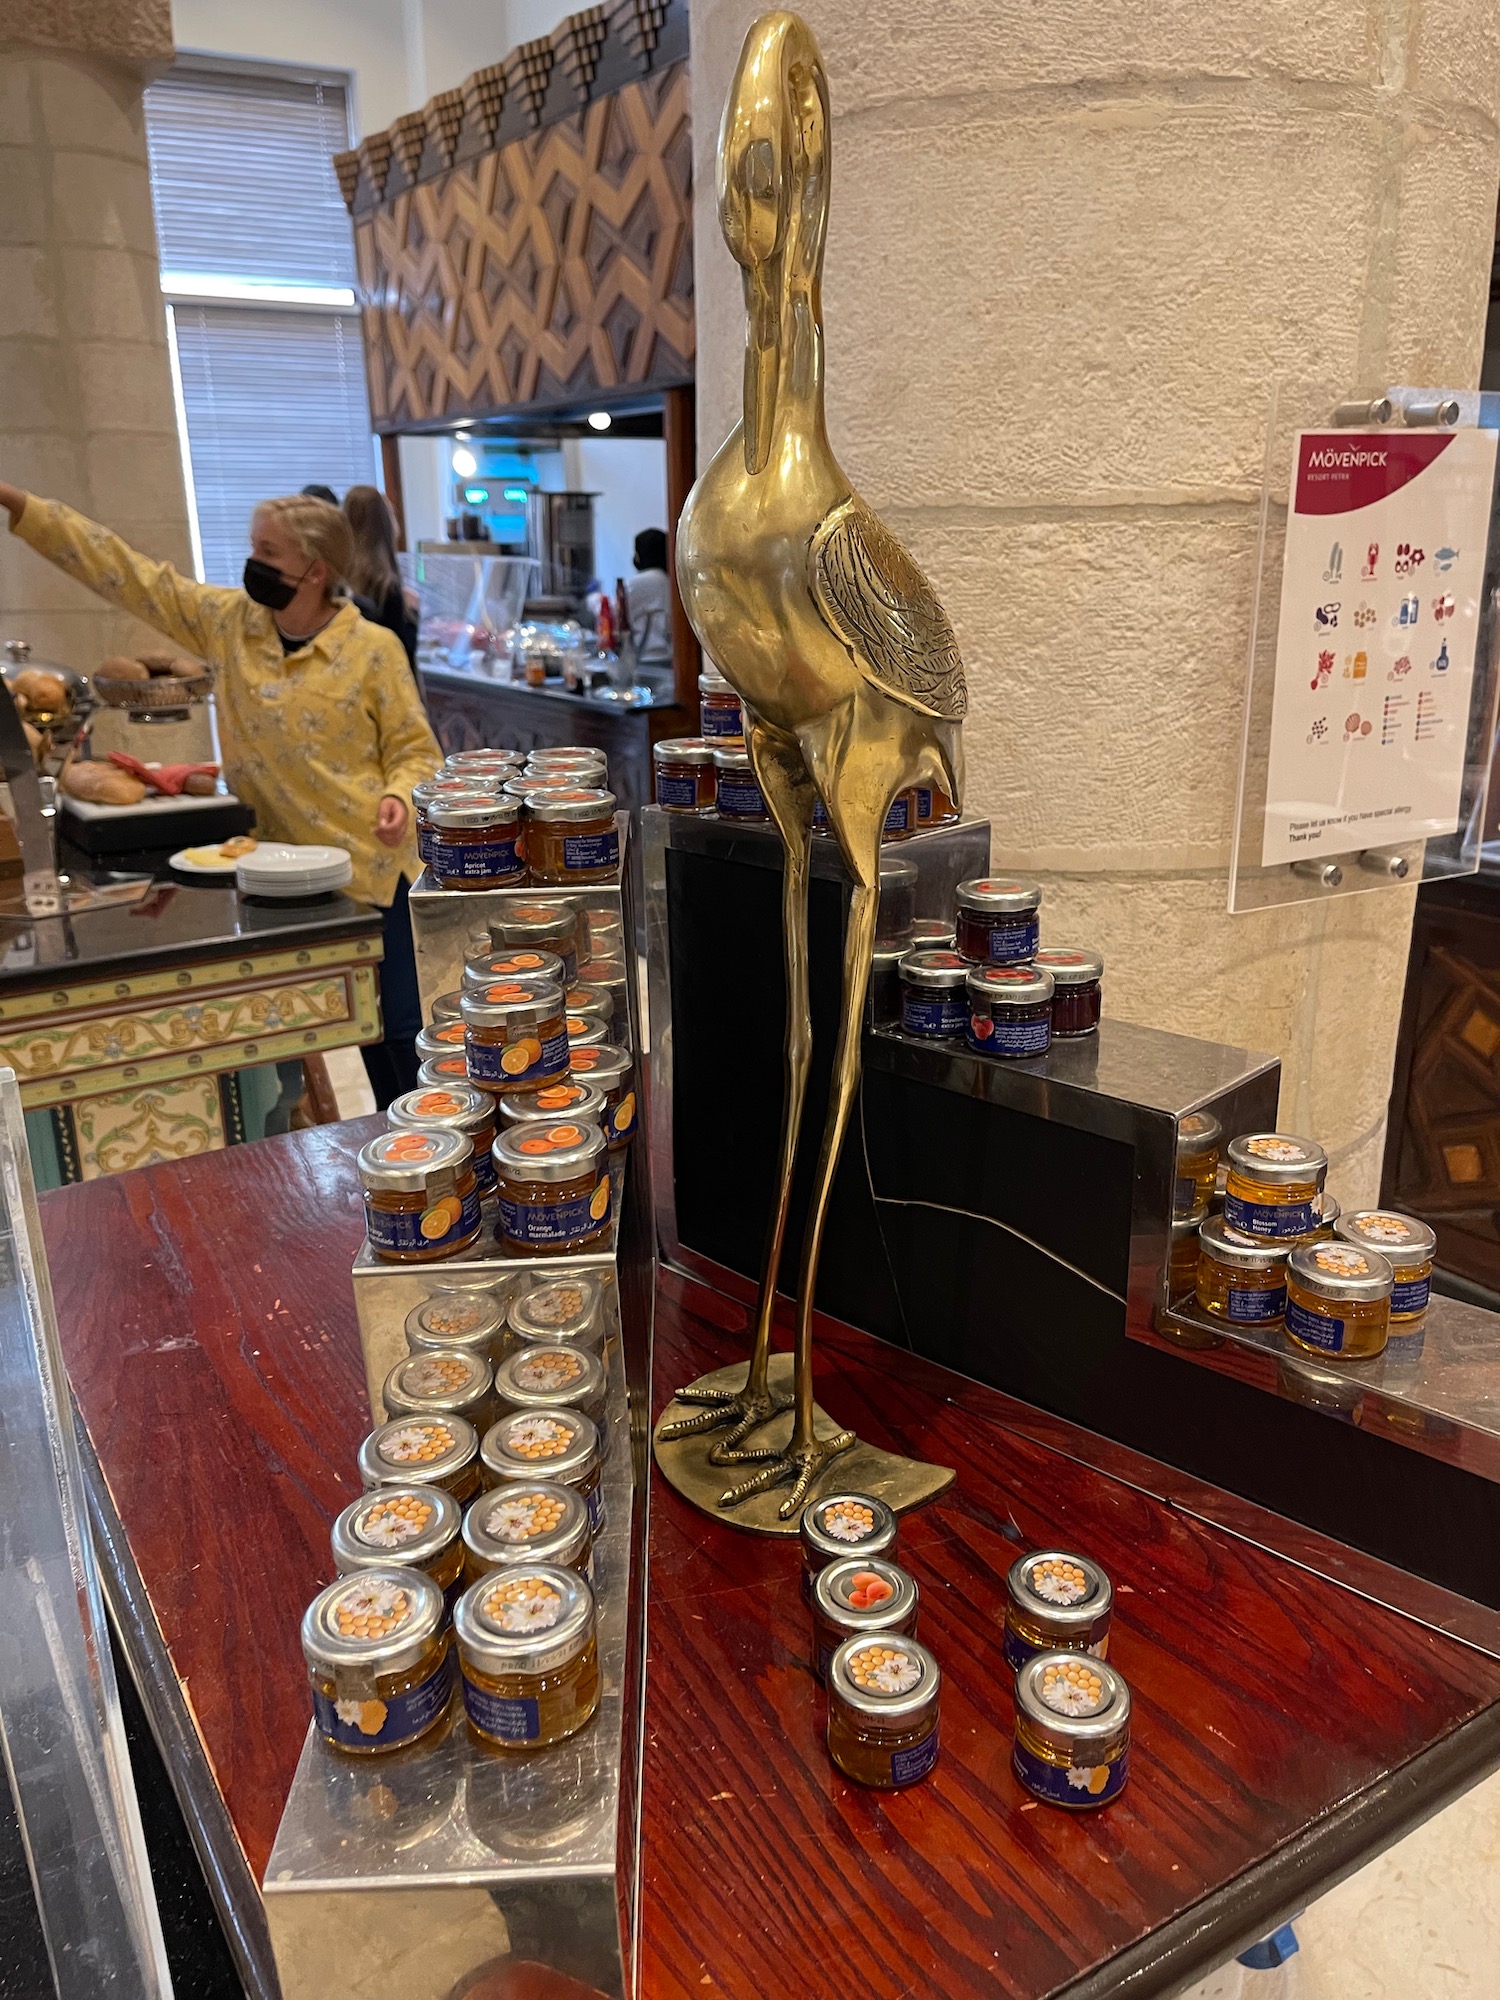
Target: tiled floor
(346, 1072)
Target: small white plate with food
(221, 858)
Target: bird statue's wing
(883, 608)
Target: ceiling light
(465, 464)
(600, 420)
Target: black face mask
(267, 586)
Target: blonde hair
(321, 532)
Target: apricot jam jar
(528, 1655)
(719, 711)
(537, 1377)
(416, 1526)
(934, 998)
(461, 1108)
(997, 920)
(421, 1196)
(1237, 1279)
(1056, 1602)
(1198, 1136)
(539, 926)
(610, 1070)
(1273, 1186)
(554, 1188)
(567, 757)
(560, 1445)
(523, 1524)
(492, 968)
(567, 1310)
(572, 1098)
(1076, 978)
(684, 773)
(1072, 1745)
(845, 1524)
(884, 1697)
(737, 792)
(378, 1658)
(1010, 1010)
(449, 786)
(442, 1382)
(859, 1594)
(571, 836)
(472, 1322)
(475, 843)
(1407, 1245)
(515, 1036)
(422, 1451)
(1338, 1299)
(480, 759)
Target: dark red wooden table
(1286, 1724)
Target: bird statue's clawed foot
(738, 1410)
(802, 1464)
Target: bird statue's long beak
(762, 360)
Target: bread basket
(160, 692)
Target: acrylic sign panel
(1380, 598)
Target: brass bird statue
(846, 664)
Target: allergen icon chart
(1380, 598)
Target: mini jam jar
(378, 1658)
(567, 756)
(719, 711)
(471, 1322)
(997, 920)
(934, 807)
(1072, 1743)
(449, 786)
(901, 815)
(571, 836)
(684, 773)
(1273, 1186)
(514, 1035)
(540, 1522)
(1056, 1602)
(528, 1656)
(493, 968)
(422, 1451)
(442, 1382)
(896, 912)
(737, 789)
(559, 1311)
(446, 1073)
(932, 934)
(559, 1377)
(469, 760)
(526, 783)
(553, 1186)
(440, 1040)
(585, 1032)
(572, 1098)
(459, 1108)
(859, 1594)
(1010, 1010)
(1198, 1136)
(1076, 976)
(539, 926)
(421, 1195)
(416, 1526)
(1407, 1245)
(1338, 1299)
(560, 1445)
(1330, 1209)
(475, 843)
(594, 1003)
(844, 1524)
(934, 998)
(609, 1069)
(884, 1697)
(1237, 1279)
(445, 1007)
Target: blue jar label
(488, 1064)
(484, 1172)
(481, 861)
(1014, 940)
(512, 1718)
(558, 1221)
(924, 803)
(740, 798)
(424, 841)
(1411, 1297)
(1249, 1304)
(899, 819)
(1271, 1218)
(366, 1723)
(1184, 1196)
(448, 1220)
(934, 1014)
(1314, 1328)
(619, 1120)
(1071, 1784)
(591, 850)
(1010, 1038)
(594, 1502)
(725, 721)
(676, 791)
(914, 1762)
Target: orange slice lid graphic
(436, 1103)
(512, 990)
(411, 1146)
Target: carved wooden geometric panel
(559, 264)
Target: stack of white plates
(273, 868)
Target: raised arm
(201, 617)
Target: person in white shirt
(649, 596)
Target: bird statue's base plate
(902, 1483)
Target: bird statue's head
(773, 201)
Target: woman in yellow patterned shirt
(322, 730)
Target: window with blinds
(257, 263)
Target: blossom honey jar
(515, 1036)
(1330, 1210)
(737, 792)
(490, 968)
(560, 1445)
(884, 1703)
(1056, 1601)
(422, 1451)
(378, 1658)
(934, 996)
(460, 1108)
(859, 1595)
(1077, 979)
(1338, 1299)
(683, 767)
(475, 843)
(1198, 1136)
(421, 1195)
(1239, 1280)
(1408, 1246)
(719, 713)
(997, 920)
(559, 1377)
(609, 1069)
(524, 925)
(571, 836)
(1009, 1010)
(559, 1311)
(1072, 1741)
(528, 1655)
(1274, 1184)
(416, 1526)
(442, 1382)
(843, 1525)
(468, 1322)
(554, 1188)
(513, 1526)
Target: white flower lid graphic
(553, 1368)
(1072, 1690)
(1059, 1583)
(1342, 1260)
(539, 1436)
(1386, 1228)
(373, 1604)
(416, 1443)
(884, 1670)
(846, 1521)
(381, 1526)
(1269, 1147)
(524, 1604)
(513, 1520)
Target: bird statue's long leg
(789, 796)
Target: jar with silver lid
(525, 963)
(417, 1526)
(546, 754)
(859, 1594)
(932, 934)
(572, 1098)
(1056, 1602)
(884, 1701)
(445, 1007)
(571, 835)
(1237, 1279)
(464, 760)
(1273, 1185)
(997, 919)
(612, 1070)
(556, 1377)
(442, 1381)
(560, 1445)
(443, 1072)
(683, 768)
(422, 1451)
(475, 843)
(514, 1034)
(527, 1522)
(528, 1655)
(843, 1524)
(527, 925)
(378, 1658)
(559, 1312)
(421, 1195)
(1010, 1010)
(1408, 1246)
(737, 792)
(1198, 1136)
(1338, 1300)
(934, 997)
(441, 1039)
(594, 1003)
(461, 1107)
(1077, 977)
(896, 911)
(471, 1321)
(1072, 1744)
(554, 1188)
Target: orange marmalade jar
(491, 968)
(572, 1098)
(515, 1034)
(610, 1070)
(554, 1189)
(571, 836)
(539, 926)
(458, 1108)
(421, 1195)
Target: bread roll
(47, 694)
(183, 669)
(102, 785)
(200, 785)
(121, 669)
(156, 664)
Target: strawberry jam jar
(1076, 976)
(997, 920)
(1010, 1010)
